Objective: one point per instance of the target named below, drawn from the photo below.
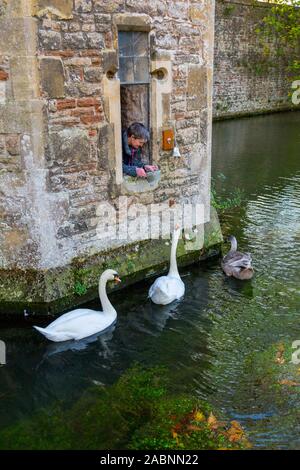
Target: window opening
(134, 79)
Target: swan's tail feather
(54, 336)
(44, 332)
(160, 297)
(41, 330)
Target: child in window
(133, 140)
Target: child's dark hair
(138, 130)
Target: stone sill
(138, 185)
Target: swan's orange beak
(117, 279)
(177, 226)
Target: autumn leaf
(235, 433)
(213, 423)
(212, 420)
(199, 417)
(279, 355)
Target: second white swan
(166, 289)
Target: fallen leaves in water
(235, 433)
(198, 422)
(279, 355)
(290, 383)
(199, 417)
(213, 423)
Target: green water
(218, 343)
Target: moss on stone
(137, 412)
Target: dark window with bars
(133, 57)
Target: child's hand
(151, 167)
(140, 172)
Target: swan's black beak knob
(117, 280)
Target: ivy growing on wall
(283, 23)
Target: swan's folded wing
(237, 259)
(80, 312)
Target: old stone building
(67, 86)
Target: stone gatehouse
(67, 87)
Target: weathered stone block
(18, 36)
(13, 144)
(83, 6)
(196, 87)
(108, 6)
(52, 77)
(93, 74)
(132, 22)
(197, 13)
(50, 40)
(95, 41)
(61, 8)
(75, 40)
(14, 117)
(24, 78)
(102, 22)
(69, 146)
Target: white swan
(83, 322)
(165, 289)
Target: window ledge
(138, 185)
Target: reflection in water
(237, 287)
(102, 337)
(206, 339)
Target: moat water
(216, 343)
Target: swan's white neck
(233, 243)
(173, 271)
(106, 305)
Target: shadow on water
(218, 342)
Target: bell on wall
(176, 152)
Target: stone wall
(59, 151)
(245, 81)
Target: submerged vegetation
(221, 202)
(137, 412)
